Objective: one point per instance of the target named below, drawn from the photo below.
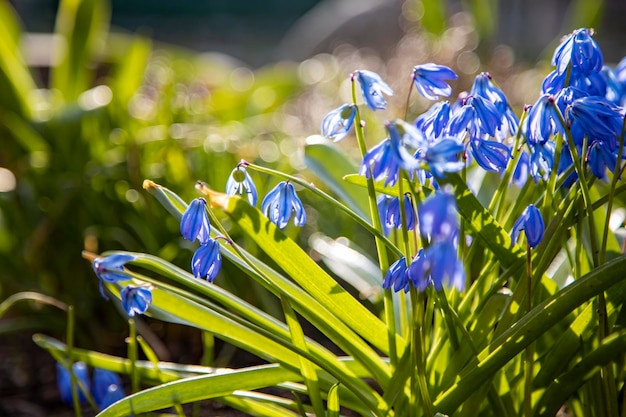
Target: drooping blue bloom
(383, 203)
(438, 218)
(531, 223)
(522, 170)
(380, 162)
(477, 115)
(239, 182)
(542, 121)
(373, 87)
(338, 122)
(135, 300)
(437, 265)
(195, 222)
(541, 160)
(111, 269)
(434, 122)
(553, 83)
(442, 156)
(280, 202)
(489, 154)
(597, 118)
(620, 70)
(581, 51)
(614, 87)
(64, 382)
(107, 388)
(396, 277)
(566, 161)
(601, 158)
(430, 80)
(207, 260)
(484, 87)
(393, 217)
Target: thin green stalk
(420, 381)
(71, 324)
(383, 260)
(133, 356)
(308, 371)
(530, 349)
(609, 207)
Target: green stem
(133, 356)
(417, 340)
(383, 259)
(71, 325)
(530, 349)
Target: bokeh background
(96, 96)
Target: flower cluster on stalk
(583, 99)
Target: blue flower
(542, 121)
(597, 118)
(484, 87)
(380, 162)
(107, 388)
(396, 277)
(489, 154)
(434, 122)
(135, 300)
(64, 381)
(280, 202)
(430, 80)
(240, 182)
(439, 265)
(477, 115)
(522, 170)
(614, 87)
(393, 217)
(442, 156)
(383, 203)
(530, 222)
(195, 222)
(438, 217)
(601, 158)
(338, 122)
(207, 260)
(581, 51)
(111, 269)
(541, 160)
(373, 87)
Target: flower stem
(71, 324)
(132, 356)
(530, 350)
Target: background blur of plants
(87, 113)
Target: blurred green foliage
(81, 134)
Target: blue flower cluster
(106, 388)
(583, 98)
(438, 263)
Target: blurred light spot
(268, 151)
(41, 101)
(7, 180)
(617, 218)
(39, 159)
(311, 71)
(132, 196)
(468, 62)
(215, 143)
(96, 97)
(117, 136)
(177, 131)
(241, 79)
(413, 11)
(263, 97)
(503, 56)
(288, 146)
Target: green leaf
(331, 166)
(199, 388)
(333, 401)
(528, 329)
(82, 25)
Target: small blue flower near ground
(396, 277)
(111, 269)
(135, 300)
(373, 87)
(430, 80)
(338, 122)
(393, 217)
(280, 202)
(531, 223)
(64, 381)
(239, 182)
(490, 155)
(433, 123)
(207, 260)
(195, 222)
(107, 388)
